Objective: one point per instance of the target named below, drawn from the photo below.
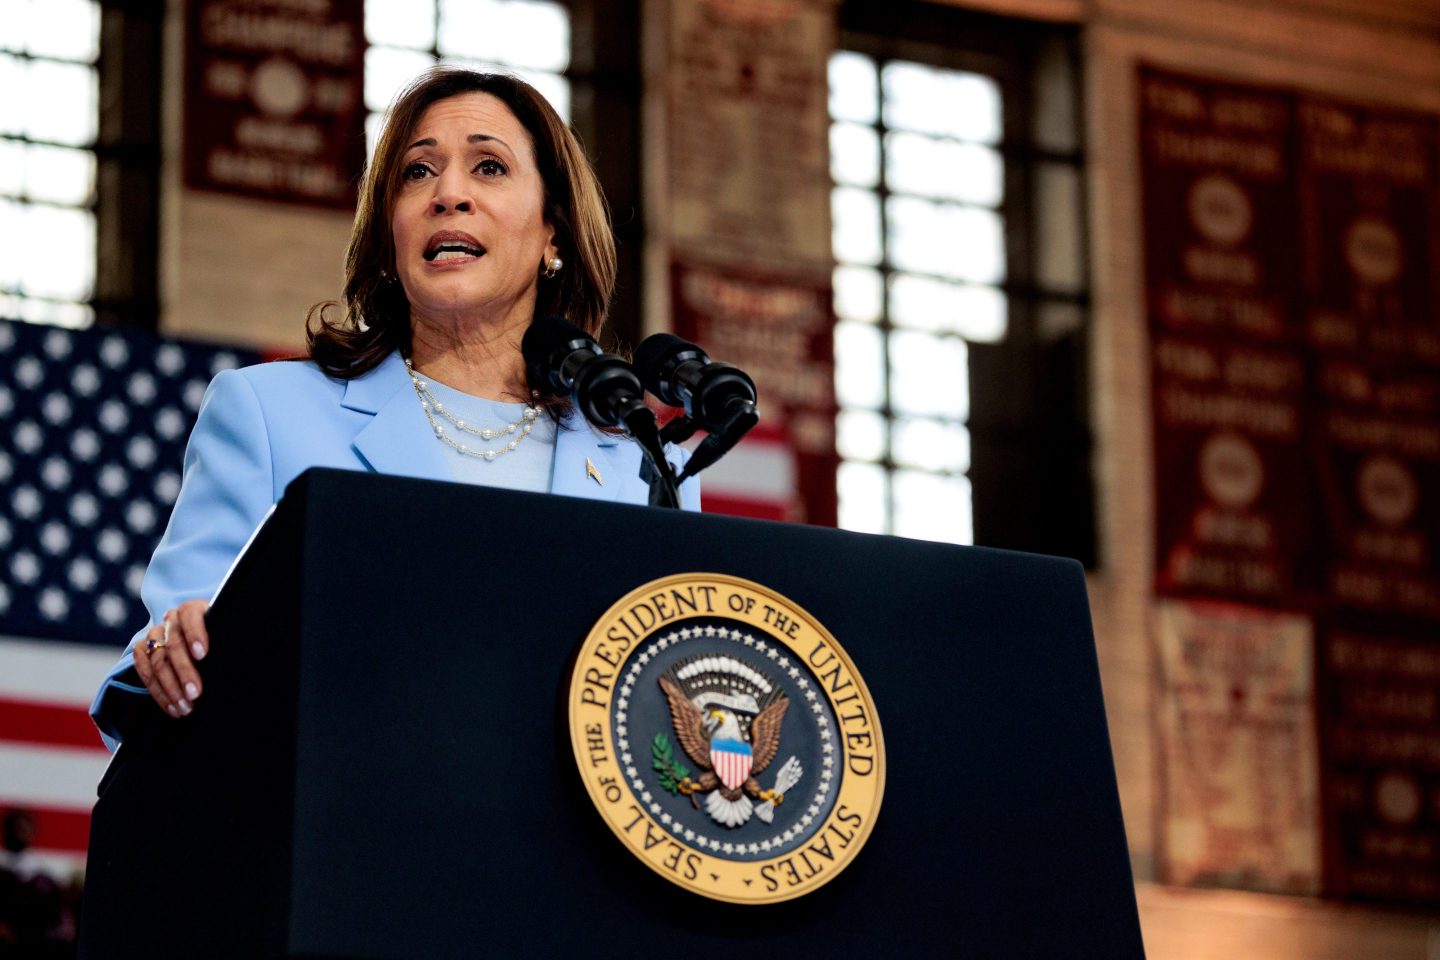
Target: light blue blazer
(261, 427)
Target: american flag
(93, 427)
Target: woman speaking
(478, 213)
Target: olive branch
(671, 772)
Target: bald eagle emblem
(727, 718)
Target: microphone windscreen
(655, 362)
(544, 336)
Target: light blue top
(527, 467)
(260, 427)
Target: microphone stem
(741, 418)
(655, 470)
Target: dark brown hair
(374, 313)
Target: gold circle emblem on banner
(726, 738)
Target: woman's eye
(415, 171)
(490, 167)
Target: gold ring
(152, 645)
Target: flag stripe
(33, 722)
(761, 471)
(65, 831)
(717, 502)
(59, 777)
(55, 671)
(60, 864)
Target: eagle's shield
(731, 759)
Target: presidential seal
(726, 738)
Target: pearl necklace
(431, 406)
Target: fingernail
(172, 711)
(192, 690)
(198, 650)
(184, 706)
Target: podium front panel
(434, 806)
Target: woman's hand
(165, 659)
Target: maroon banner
(1380, 764)
(273, 99)
(1379, 440)
(780, 332)
(1231, 513)
(1292, 275)
(1369, 220)
(1218, 208)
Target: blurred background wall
(1149, 285)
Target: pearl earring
(552, 267)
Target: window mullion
(887, 408)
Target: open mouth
(449, 245)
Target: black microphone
(607, 391)
(719, 397)
(569, 361)
(683, 375)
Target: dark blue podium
(380, 765)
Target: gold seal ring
(677, 674)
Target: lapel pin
(592, 473)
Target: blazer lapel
(399, 440)
(586, 461)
